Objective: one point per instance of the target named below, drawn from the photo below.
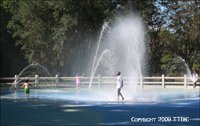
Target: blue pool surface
(58, 107)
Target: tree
(50, 31)
(12, 61)
(183, 24)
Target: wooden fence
(104, 81)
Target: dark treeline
(55, 32)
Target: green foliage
(172, 65)
(10, 54)
(47, 31)
(183, 25)
(53, 32)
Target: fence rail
(102, 81)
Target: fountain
(95, 64)
(30, 71)
(189, 74)
(125, 42)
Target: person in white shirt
(119, 85)
(194, 78)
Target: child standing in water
(26, 88)
(78, 81)
(119, 85)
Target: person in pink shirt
(78, 81)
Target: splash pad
(98, 106)
(96, 95)
(93, 107)
(124, 52)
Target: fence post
(185, 81)
(163, 81)
(99, 80)
(141, 81)
(57, 79)
(15, 82)
(36, 80)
